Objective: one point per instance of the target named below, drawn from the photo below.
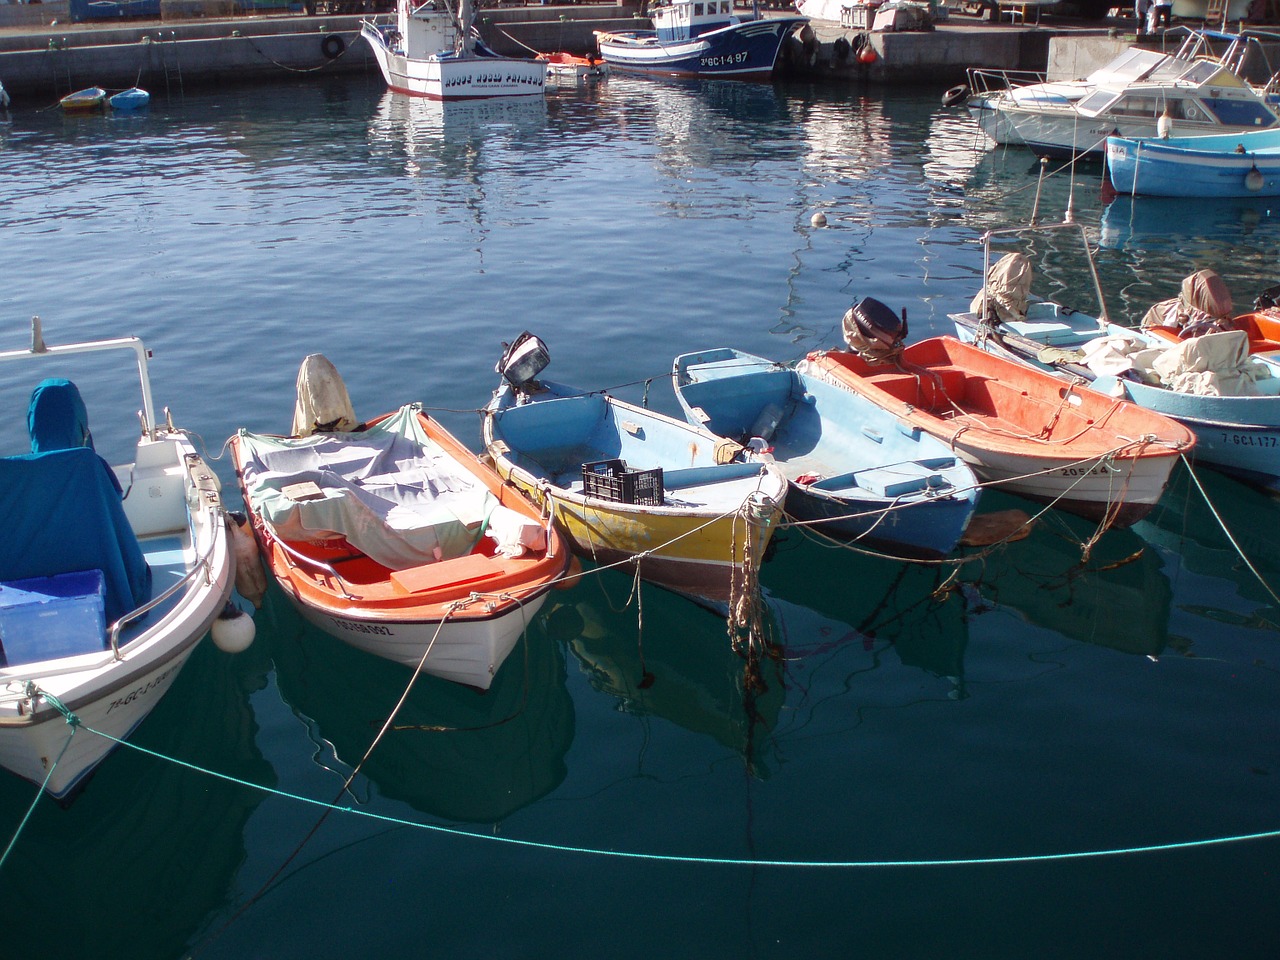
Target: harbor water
(1051, 750)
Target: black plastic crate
(614, 480)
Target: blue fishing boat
(700, 38)
(135, 98)
(853, 467)
(1237, 434)
(1223, 165)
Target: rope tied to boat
(33, 693)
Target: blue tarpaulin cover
(61, 511)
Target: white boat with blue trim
(700, 38)
(101, 604)
(1232, 165)
(433, 52)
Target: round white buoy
(1254, 180)
(819, 219)
(234, 630)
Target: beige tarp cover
(1204, 300)
(1007, 290)
(1216, 364)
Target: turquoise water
(1035, 704)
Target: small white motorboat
(109, 576)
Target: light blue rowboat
(135, 98)
(853, 467)
(1221, 165)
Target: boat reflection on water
(452, 752)
(840, 613)
(1115, 595)
(1214, 583)
(429, 137)
(1161, 224)
(167, 849)
(681, 667)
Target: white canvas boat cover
(323, 404)
(1007, 289)
(392, 492)
(1203, 305)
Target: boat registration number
(1250, 439)
(727, 60)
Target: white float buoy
(233, 630)
(819, 219)
(1254, 180)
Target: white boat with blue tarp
(854, 469)
(109, 576)
(700, 38)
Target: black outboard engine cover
(872, 330)
(523, 360)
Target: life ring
(332, 46)
(955, 95)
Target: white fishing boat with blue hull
(433, 52)
(700, 38)
(1141, 93)
(854, 469)
(110, 575)
(1236, 434)
(1234, 165)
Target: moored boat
(83, 101)
(1141, 93)
(700, 38)
(1022, 428)
(1229, 399)
(111, 576)
(135, 98)
(433, 52)
(632, 487)
(1245, 164)
(855, 470)
(569, 68)
(393, 537)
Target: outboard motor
(873, 331)
(522, 361)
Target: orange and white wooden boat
(395, 538)
(1021, 428)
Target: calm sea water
(1037, 703)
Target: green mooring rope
(673, 858)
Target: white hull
(1089, 488)
(464, 651)
(456, 77)
(115, 695)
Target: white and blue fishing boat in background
(1141, 93)
(127, 101)
(1237, 434)
(433, 51)
(700, 38)
(110, 575)
(853, 467)
(1223, 165)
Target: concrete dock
(48, 56)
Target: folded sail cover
(61, 512)
(390, 490)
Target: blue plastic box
(51, 617)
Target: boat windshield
(1204, 71)
(1097, 102)
(1129, 66)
